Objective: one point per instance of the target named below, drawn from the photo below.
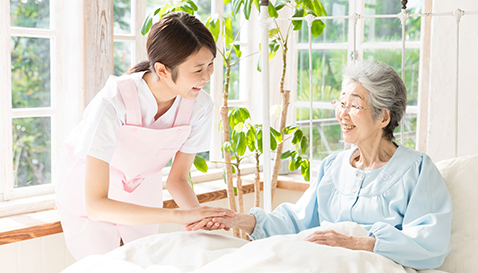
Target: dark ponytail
(139, 67)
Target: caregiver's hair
(386, 90)
(172, 40)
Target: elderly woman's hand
(333, 238)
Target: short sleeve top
(105, 114)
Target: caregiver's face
(354, 115)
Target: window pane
(326, 131)
(335, 30)
(409, 131)
(203, 12)
(31, 76)
(32, 151)
(393, 57)
(204, 9)
(234, 79)
(122, 16)
(152, 5)
(33, 14)
(327, 69)
(390, 29)
(122, 57)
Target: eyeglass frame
(345, 106)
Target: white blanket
(205, 252)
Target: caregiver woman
(394, 192)
(110, 187)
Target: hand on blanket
(333, 238)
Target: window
(28, 98)
(376, 38)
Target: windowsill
(26, 226)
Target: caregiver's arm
(100, 208)
(178, 183)
(424, 239)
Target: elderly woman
(394, 192)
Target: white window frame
(67, 99)
(354, 6)
(8, 192)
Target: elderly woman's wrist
(247, 222)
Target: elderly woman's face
(355, 117)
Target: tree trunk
(285, 98)
(227, 154)
(257, 184)
(240, 195)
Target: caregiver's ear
(161, 70)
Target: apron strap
(129, 94)
(184, 112)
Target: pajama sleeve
(290, 218)
(423, 240)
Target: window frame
(359, 7)
(7, 190)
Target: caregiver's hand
(188, 216)
(206, 224)
(246, 222)
(333, 238)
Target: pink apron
(135, 177)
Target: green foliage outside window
(31, 87)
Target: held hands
(200, 218)
(333, 238)
(213, 223)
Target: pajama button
(359, 175)
(178, 132)
(354, 190)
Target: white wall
(441, 118)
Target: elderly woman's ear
(385, 118)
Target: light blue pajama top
(405, 204)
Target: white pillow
(461, 177)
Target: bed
(206, 252)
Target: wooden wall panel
(98, 31)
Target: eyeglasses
(352, 109)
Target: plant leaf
(287, 154)
(236, 6)
(317, 28)
(304, 144)
(241, 144)
(289, 129)
(200, 164)
(273, 142)
(237, 50)
(297, 137)
(147, 24)
(251, 139)
(213, 24)
(276, 134)
(228, 33)
(272, 10)
(281, 3)
(247, 9)
(298, 12)
(305, 169)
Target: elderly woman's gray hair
(386, 90)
